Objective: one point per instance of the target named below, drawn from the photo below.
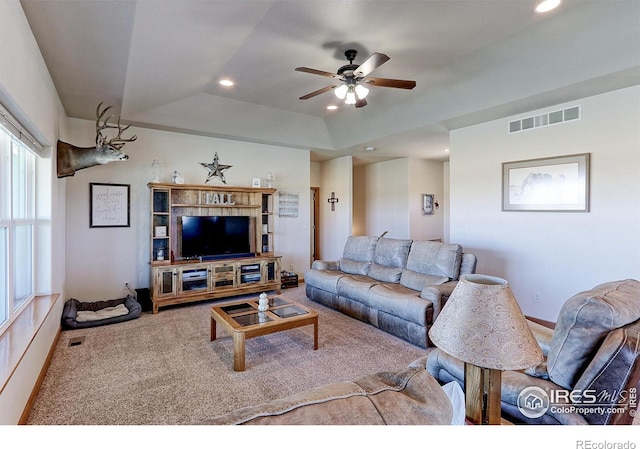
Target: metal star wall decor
(216, 169)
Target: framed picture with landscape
(554, 184)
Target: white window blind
(13, 126)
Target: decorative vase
(263, 302)
(156, 170)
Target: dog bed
(79, 315)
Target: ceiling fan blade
(387, 82)
(373, 62)
(316, 72)
(317, 92)
(360, 103)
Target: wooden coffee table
(243, 320)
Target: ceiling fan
(354, 77)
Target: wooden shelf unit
(175, 280)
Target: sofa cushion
(355, 287)
(350, 266)
(418, 281)
(385, 274)
(583, 323)
(435, 258)
(324, 279)
(358, 254)
(392, 252)
(399, 301)
(389, 259)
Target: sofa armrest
(408, 396)
(325, 265)
(438, 295)
(468, 264)
(515, 382)
(446, 368)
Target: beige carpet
(162, 369)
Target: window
(17, 222)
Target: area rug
(163, 369)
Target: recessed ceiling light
(547, 5)
(226, 83)
(369, 148)
(446, 150)
(332, 107)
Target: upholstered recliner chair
(591, 370)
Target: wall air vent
(546, 119)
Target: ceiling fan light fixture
(353, 77)
(361, 91)
(350, 98)
(341, 91)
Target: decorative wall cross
(333, 200)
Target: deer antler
(116, 142)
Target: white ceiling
(159, 62)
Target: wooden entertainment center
(177, 280)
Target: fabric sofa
(408, 396)
(591, 371)
(397, 285)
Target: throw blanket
(107, 312)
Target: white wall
(26, 89)
(425, 177)
(335, 226)
(552, 254)
(445, 204)
(359, 200)
(388, 197)
(101, 260)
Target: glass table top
(289, 311)
(246, 313)
(252, 318)
(238, 308)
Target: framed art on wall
(109, 205)
(554, 184)
(427, 204)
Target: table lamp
(482, 325)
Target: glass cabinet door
(166, 282)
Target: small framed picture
(161, 231)
(257, 182)
(427, 204)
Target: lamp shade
(482, 324)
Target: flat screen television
(216, 237)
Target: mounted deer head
(72, 158)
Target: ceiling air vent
(549, 118)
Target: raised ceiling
(159, 63)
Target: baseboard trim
(36, 388)
(549, 324)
